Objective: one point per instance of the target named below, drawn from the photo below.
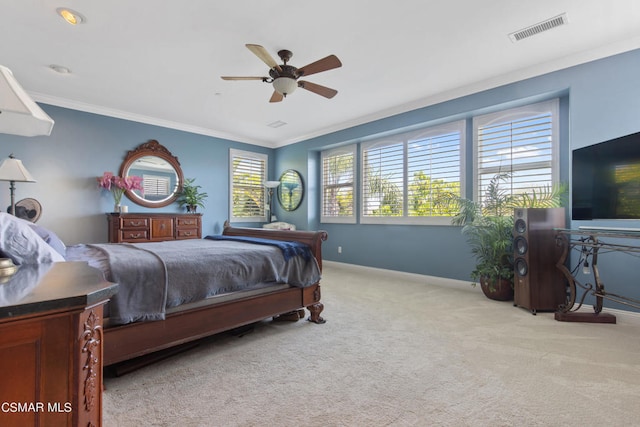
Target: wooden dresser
(51, 345)
(153, 227)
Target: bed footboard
(313, 239)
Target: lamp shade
(12, 169)
(271, 184)
(285, 85)
(19, 114)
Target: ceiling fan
(285, 77)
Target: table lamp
(13, 170)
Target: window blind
(409, 177)
(338, 172)
(521, 142)
(248, 172)
(433, 164)
(383, 179)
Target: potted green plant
(491, 241)
(488, 228)
(191, 196)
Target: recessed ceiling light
(60, 69)
(71, 16)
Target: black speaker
(538, 284)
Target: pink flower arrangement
(118, 185)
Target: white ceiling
(160, 61)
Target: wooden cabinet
(153, 227)
(51, 345)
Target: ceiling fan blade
(320, 90)
(243, 78)
(262, 53)
(276, 97)
(324, 64)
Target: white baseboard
(434, 280)
(631, 316)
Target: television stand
(588, 242)
(605, 229)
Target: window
(248, 173)
(338, 196)
(406, 178)
(522, 142)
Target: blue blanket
(289, 249)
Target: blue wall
(600, 101)
(82, 146)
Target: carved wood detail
(315, 310)
(152, 148)
(92, 338)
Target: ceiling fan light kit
(285, 77)
(285, 85)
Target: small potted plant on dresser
(191, 196)
(488, 228)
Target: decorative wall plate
(29, 209)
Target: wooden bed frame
(126, 342)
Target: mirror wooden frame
(154, 149)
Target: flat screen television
(605, 181)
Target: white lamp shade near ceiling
(19, 114)
(12, 169)
(271, 184)
(285, 85)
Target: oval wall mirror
(291, 190)
(160, 172)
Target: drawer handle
(135, 223)
(187, 233)
(134, 236)
(189, 222)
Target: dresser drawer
(133, 235)
(128, 223)
(187, 233)
(188, 222)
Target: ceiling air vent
(540, 27)
(277, 124)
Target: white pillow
(22, 244)
(279, 226)
(50, 237)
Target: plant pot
(501, 291)
(192, 208)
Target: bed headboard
(313, 239)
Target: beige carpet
(396, 351)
